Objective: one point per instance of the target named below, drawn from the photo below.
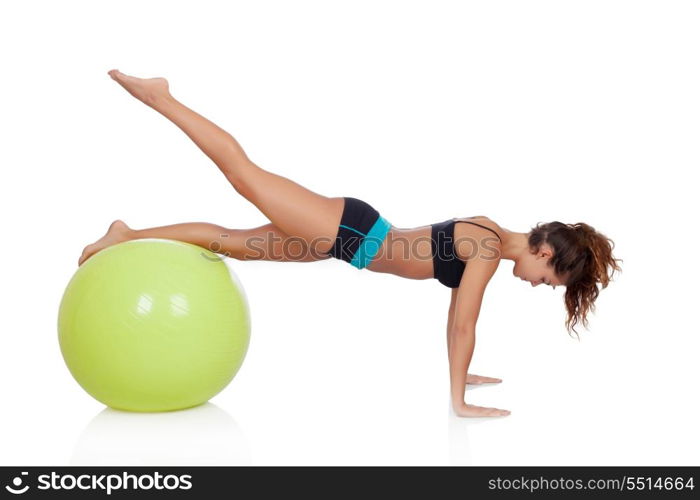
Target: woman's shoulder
(481, 220)
(480, 226)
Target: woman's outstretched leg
(294, 209)
(266, 242)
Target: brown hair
(585, 255)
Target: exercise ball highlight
(154, 325)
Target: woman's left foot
(146, 90)
(118, 232)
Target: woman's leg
(266, 242)
(294, 209)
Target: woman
(306, 226)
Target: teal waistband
(371, 243)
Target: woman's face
(533, 268)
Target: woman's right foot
(146, 90)
(117, 233)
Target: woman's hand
(478, 379)
(466, 410)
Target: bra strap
(477, 224)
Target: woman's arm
(471, 377)
(461, 349)
(450, 316)
(456, 346)
(462, 332)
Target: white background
(525, 111)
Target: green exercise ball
(154, 325)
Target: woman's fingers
(491, 380)
(478, 379)
(498, 412)
(469, 410)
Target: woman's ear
(546, 251)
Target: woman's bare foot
(118, 232)
(146, 90)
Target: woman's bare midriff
(407, 252)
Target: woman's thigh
(269, 242)
(291, 207)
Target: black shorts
(360, 234)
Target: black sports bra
(447, 266)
